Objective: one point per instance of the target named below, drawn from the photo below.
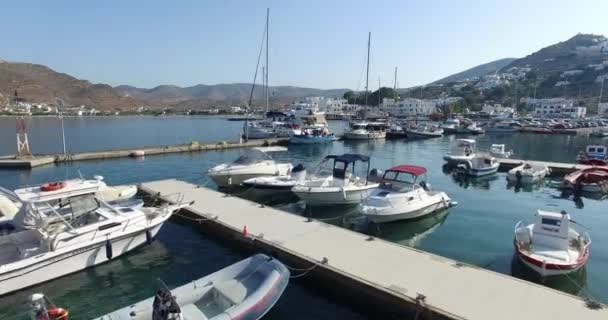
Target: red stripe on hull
(552, 266)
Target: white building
(408, 107)
(602, 108)
(556, 108)
(497, 109)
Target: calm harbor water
(479, 231)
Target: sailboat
(364, 130)
(260, 129)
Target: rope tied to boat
(420, 305)
(305, 271)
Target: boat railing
(9, 194)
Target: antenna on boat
(369, 40)
(255, 76)
(395, 86)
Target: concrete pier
(11, 162)
(557, 168)
(391, 279)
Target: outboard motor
(375, 175)
(298, 173)
(164, 306)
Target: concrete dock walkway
(10, 162)
(557, 168)
(387, 277)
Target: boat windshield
(400, 177)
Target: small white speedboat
(423, 132)
(480, 165)
(461, 150)
(277, 184)
(245, 290)
(255, 163)
(404, 194)
(551, 245)
(528, 172)
(499, 151)
(366, 131)
(341, 187)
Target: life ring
(52, 186)
(55, 314)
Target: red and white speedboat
(551, 246)
(592, 180)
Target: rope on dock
(305, 271)
(210, 217)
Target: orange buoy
(57, 314)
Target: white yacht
(366, 131)
(404, 194)
(254, 163)
(86, 233)
(461, 150)
(341, 187)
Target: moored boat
(591, 180)
(461, 150)
(528, 172)
(594, 155)
(424, 132)
(499, 151)
(404, 193)
(276, 184)
(311, 135)
(255, 163)
(480, 165)
(366, 131)
(341, 187)
(245, 290)
(395, 132)
(551, 245)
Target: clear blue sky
(312, 43)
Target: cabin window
(552, 222)
(591, 149)
(601, 150)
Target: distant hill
(38, 83)
(221, 92)
(478, 71)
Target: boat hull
(454, 159)
(60, 265)
(482, 172)
(550, 269)
(298, 139)
(334, 196)
(395, 213)
(423, 135)
(364, 136)
(234, 178)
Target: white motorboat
(461, 150)
(504, 126)
(366, 131)
(257, 130)
(277, 184)
(424, 131)
(245, 290)
(404, 194)
(499, 151)
(471, 128)
(450, 126)
(95, 233)
(255, 163)
(551, 245)
(480, 165)
(341, 187)
(12, 202)
(528, 172)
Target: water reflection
(409, 233)
(574, 283)
(524, 187)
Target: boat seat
(190, 311)
(552, 253)
(233, 290)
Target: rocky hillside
(38, 83)
(478, 71)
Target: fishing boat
(424, 132)
(480, 165)
(404, 193)
(591, 180)
(469, 128)
(596, 155)
(13, 204)
(277, 184)
(450, 126)
(499, 151)
(366, 131)
(461, 150)
(341, 187)
(395, 132)
(528, 172)
(311, 135)
(551, 245)
(97, 233)
(256, 162)
(245, 290)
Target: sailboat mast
(395, 86)
(369, 40)
(601, 90)
(267, 36)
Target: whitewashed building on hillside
(556, 108)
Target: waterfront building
(602, 108)
(556, 108)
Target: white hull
(70, 261)
(527, 176)
(332, 196)
(482, 172)
(548, 272)
(231, 178)
(364, 136)
(458, 159)
(417, 210)
(423, 134)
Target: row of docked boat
(400, 193)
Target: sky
(319, 44)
